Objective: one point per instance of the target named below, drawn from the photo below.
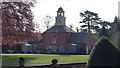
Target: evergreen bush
(104, 53)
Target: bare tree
(71, 26)
(77, 29)
(47, 21)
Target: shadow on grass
(14, 60)
(27, 59)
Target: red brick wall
(91, 41)
(61, 39)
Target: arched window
(61, 14)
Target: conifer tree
(103, 32)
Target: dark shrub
(104, 53)
(21, 62)
(103, 32)
(54, 61)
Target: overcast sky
(106, 9)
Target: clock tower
(60, 19)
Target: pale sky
(106, 9)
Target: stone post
(21, 62)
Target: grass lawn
(11, 60)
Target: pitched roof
(81, 37)
(62, 28)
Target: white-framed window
(53, 41)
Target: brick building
(60, 39)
